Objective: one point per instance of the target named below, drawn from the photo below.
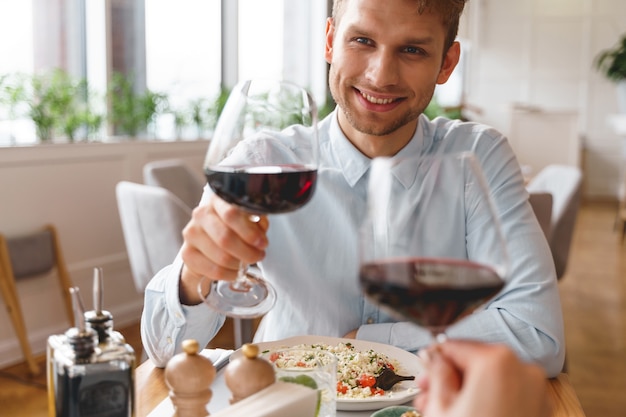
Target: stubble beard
(371, 125)
(374, 128)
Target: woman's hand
(465, 379)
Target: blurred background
(528, 68)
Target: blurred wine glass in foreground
(414, 260)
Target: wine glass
(431, 247)
(262, 158)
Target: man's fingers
(253, 233)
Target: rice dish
(356, 369)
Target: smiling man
(385, 61)
(386, 57)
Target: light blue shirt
(312, 260)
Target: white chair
(565, 184)
(152, 221)
(176, 176)
(541, 202)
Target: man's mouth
(376, 100)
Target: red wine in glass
(269, 189)
(263, 157)
(431, 292)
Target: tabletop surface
(151, 391)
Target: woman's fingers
(441, 383)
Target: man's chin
(374, 128)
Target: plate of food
(359, 362)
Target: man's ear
(330, 38)
(450, 60)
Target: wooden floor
(593, 296)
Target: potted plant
(132, 113)
(612, 64)
(12, 96)
(199, 113)
(48, 99)
(215, 108)
(59, 105)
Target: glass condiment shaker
(100, 320)
(86, 380)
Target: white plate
(401, 392)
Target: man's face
(385, 60)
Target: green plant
(92, 122)
(326, 108)
(214, 110)
(434, 109)
(53, 100)
(196, 111)
(612, 62)
(180, 121)
(130, 112)
(281, 110)
(50, 98)
(199, 114)
(59, 103)
(12, 94)
(12, 91)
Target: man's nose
(382, 69)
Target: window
(174, 48)
(183, 43)
(16, 23)
(261, 39)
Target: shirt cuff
(404, 335)
(172, 300)
(379, 332)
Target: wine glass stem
(440, 338)
(241, 283)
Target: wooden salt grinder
(189, 377)
(248, 374)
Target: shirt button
(178, 315)
(169, 340)
(370, 320)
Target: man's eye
(364, 41)
(414, 50)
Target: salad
(356, 369)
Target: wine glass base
(251, 299)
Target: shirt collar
(406, 171)
(354, 164)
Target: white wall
(73, 187)
(539, 53)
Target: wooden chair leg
(64, 276)
(9, 293)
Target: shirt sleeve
(166, 323)
(527, 314)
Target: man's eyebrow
(420, 41)
(358, 31)
(354, 30)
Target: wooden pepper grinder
(189, 377)
(248, 374)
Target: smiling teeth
(376, 100)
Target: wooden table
(151, 390)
